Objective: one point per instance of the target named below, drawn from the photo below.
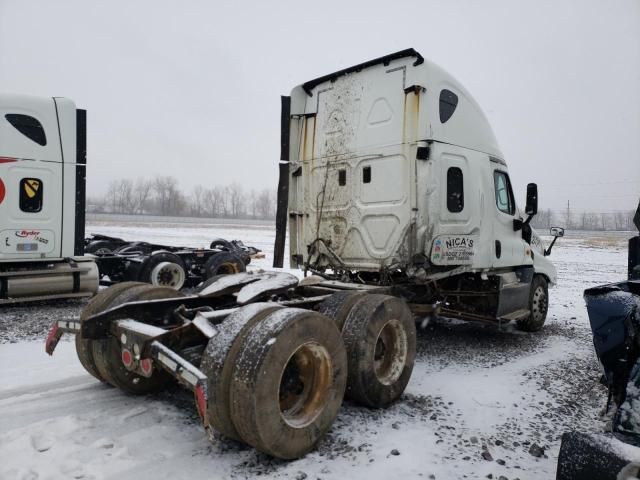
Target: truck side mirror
(556, 231)
(532, 199)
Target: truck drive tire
(220, 244)
(100, 247)
(163, 269)
(288, 382)
(219, 358)
(141, 248)
(338, 306)
(538, 305)
(95, 305)
(223, 263)
(107, 353)
(225, 245)
(380, 337)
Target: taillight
(146, 366)
(201, 402)
(127, 358)
(52, 339)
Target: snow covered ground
(479, 403)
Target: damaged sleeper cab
(394, 177)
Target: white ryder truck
(42, 200)
(42, 216)
(399, 202)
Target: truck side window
(455, 190)
(366, 175)
(504, 194)
(31, 195)
(28, 126)
(448, 104)
(342, 177)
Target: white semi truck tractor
(42, 200)
(399, 203)
(395, 177)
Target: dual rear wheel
(103, 358)
(277, 376)
(379, 333)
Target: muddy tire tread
(107, 352)
(360, 333)
(338, 306)
(219, 358)
(96, 304)
(267, 349)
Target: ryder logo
(35, 235)
(27, 233)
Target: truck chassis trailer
(119, 260)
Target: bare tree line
(621, 220)
(162, 195)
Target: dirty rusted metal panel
(353, 193)
(357, 201)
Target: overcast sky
(192, 89)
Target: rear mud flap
(588, 456)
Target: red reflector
(146, 366)
(7, 160)
(127, 358)
(201, 402)
(52, 339)
(3, 191)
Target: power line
(564, 185)
(580, 211)
(636, 195)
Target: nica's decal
(454, 250)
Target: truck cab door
(508, 246)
